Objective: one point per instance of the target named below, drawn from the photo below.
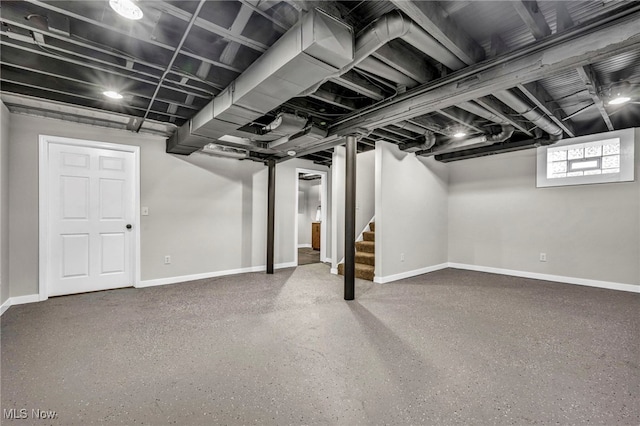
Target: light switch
(145, 211)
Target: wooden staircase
(365, 255)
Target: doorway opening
(310, 227)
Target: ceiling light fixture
(459, 134)
(291, 153)
(619, 100)
(112, 94)
(127, 9)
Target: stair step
(366, 246)
(369, 236)
(365, 258)
(364, 272)
(372, 226)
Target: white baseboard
(6, 305)
(334, 271)
(409, 274)
(29, 298)
(19, 300)
(548, 277)
(185, 278)
(304, 245)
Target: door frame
(323, 203)
(44, 203)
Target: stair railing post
(350, 219)
(271, 216)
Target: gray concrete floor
(450, 347)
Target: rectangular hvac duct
(312, 50)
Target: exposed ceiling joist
(430, 16)
(211, 27)
(543, 100)
(589, 78)
(98, 87)
(231, 49)
(577, 47)
(14, 20)
(530, 13)
(86, 64)
(459, 120)
(563, 18)
(353, 81)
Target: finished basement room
(320, 212)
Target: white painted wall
(208, 213)
(310, 192)
(5, 119)
(365, 196)
(411, 213)
(498, 218)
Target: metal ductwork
(389, 27)
(530, 113)
(497, 148)
(480, 112)
(310, 52)
(480, 141)
(422, 143)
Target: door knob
(129, 226)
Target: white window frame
(627, 164)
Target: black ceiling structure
(269, 79)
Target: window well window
(606, 157)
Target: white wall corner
(334, 271)
(548, 277)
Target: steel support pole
(350, 220)
(271, 214)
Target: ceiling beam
(430, 16)
(563, 18)
(586, 43)
(545, 102)
(529, 12)
(589, 78)
(353, 81)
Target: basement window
(589, 159)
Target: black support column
(350, 220)
(271, 214)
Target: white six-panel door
(91, 212)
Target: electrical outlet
(543, 257)
(167, 260)
(401, 257)
(144, 211)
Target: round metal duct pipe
(528, 112)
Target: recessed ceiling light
(291, 153)
(127, 9)
(619, 100)
(112, 94)
(459, 134)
